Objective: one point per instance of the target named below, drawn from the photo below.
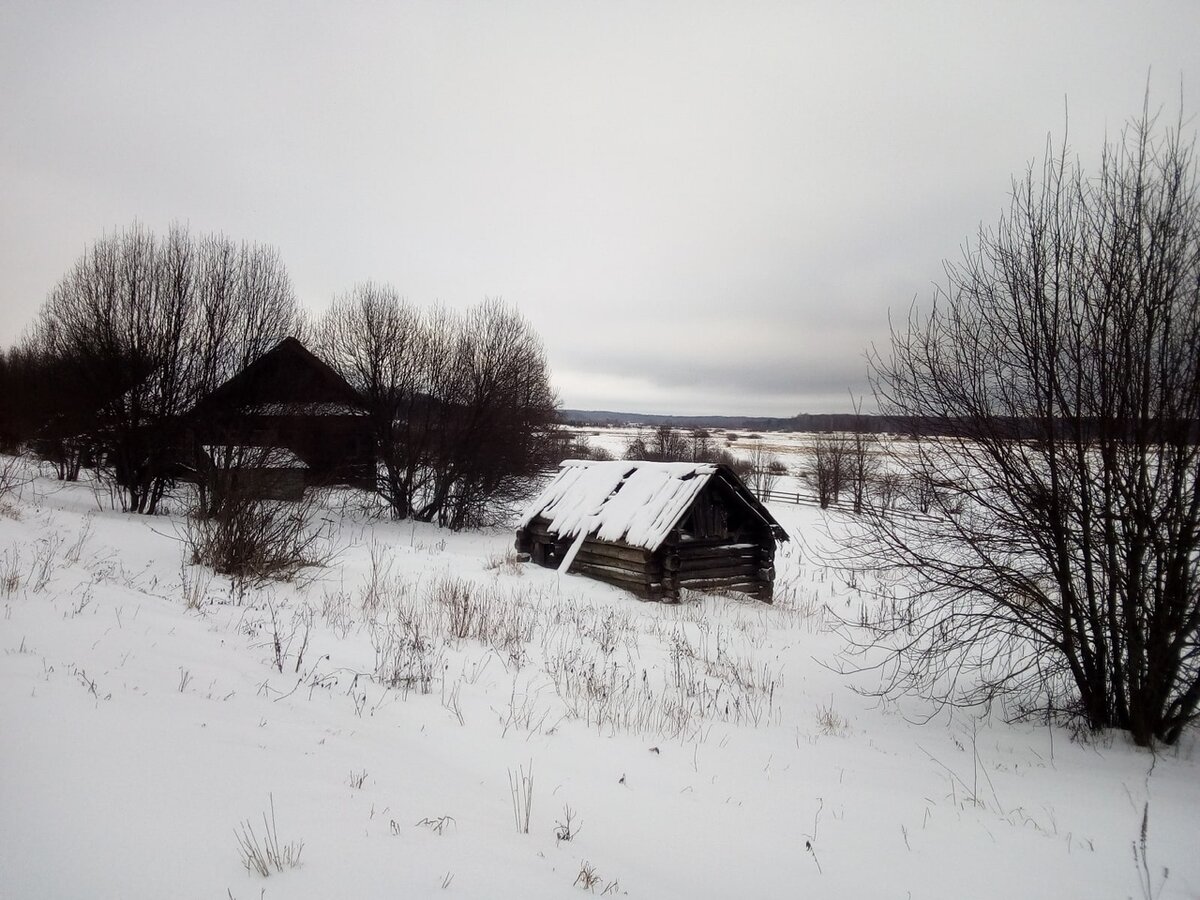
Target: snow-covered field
(150, 715)
(792, 448)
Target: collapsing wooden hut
(654, 528)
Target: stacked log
(631, 568)
(742, 566)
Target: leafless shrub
(588, 877)
(1060, 377)
(408, 651)
(450, 700)
(269, 854)
(887, 490)
(765, 471)
(358, 779)
(462, 605)
(566, 828)
(831, 462)
(437, 824)
(74, 551)
(861, 458)
(507, 562)
(194, 584)
(45, 556)
(661, 444)
(14, 475)
(1141, 860)
(11, 573)
(582, 448)
(830, 722)
(521, 788)
(255, 541)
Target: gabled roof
(287, 377)
(637, 503)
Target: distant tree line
(667, 444)
(143, 326)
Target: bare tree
(379, 343)
(498, 413)
(244, 306)
(45, 404)
(661, 444)
(861, 459)
(1059, 364)
(764, 472)
(149, 325)
(462, 406)
(886, 491)
(119, 314)
(830, 456)
(702, 446)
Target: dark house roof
(286, 380)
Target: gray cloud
(702, 207)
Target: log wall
(738, 564)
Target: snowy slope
(700, 747)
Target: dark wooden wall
(720, 544)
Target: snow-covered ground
(150, 715)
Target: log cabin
(654, 528)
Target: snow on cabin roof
(635, 502)
(302, 409)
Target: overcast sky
(703, 207)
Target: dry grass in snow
(510, 733)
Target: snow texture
(303, 409)
(709, 749)
(635, 502)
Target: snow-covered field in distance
(791, 447)
(704, 750)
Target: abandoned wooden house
(654, 528)
(264, 473)
(287, 421)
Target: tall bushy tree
(496, 417)
(381, 345)
(151, 324)
(461, 405)
(1063, 359)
